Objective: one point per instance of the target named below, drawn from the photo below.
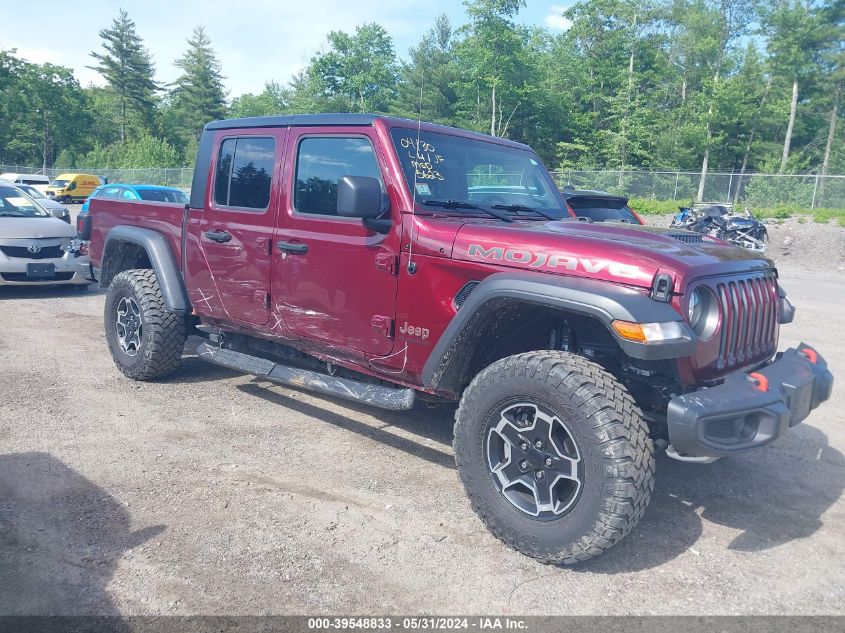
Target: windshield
(32, 192)
(602, 209)
(59, 184)
(163, 195)
(16, 204)
(442, 167)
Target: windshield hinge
(388, 262)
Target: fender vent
(689, 238)
(463, 293)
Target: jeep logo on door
(554, 261)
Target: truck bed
(163, 217)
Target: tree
(43, 109)
(795, 35)
(426, 85)
(359, 71)
(491, 54)
(128, 70)
(199, 95)
(274, 99)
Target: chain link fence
(754, 190)
(179, 177)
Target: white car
(53, 206)
(39, 181)
(34, 245)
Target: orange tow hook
(761, 383)
(810, 355)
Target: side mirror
(62, 214)
(359, 197)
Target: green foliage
(128, 69)
(199, 95)
(647, 206)
(144, 152)
(359, 72)
(274, 99)
(655, 85)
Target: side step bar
(393, 399)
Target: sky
(256, 41)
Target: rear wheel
(145, 339)
(554, 455)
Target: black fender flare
(162, 260)
(603, 301)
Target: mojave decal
(554, 261)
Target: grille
(749, 310)
(689, 238)
(46, 252)
(464, 292)
(24, 277)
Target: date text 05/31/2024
(481, 623)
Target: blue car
(150, 193)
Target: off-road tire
(613, 442)
(163, 332)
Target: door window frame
(212, 203)
(294, 213)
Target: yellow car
(69, 188)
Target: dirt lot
(213, 493)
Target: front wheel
(554, 455)
(145, 339)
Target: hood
(29, 228)
(625, 253)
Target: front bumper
(749, 409)
(13, 270)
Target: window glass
(110, 192)
(163, 195)
(321, 162)
(245, 172)
(444, 167)
(128, 195)
(224, 170)
(603, 209)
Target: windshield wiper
(458, 204)
(522, 207)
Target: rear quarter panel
(163, 217)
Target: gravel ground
(217, 493)
(797, 242)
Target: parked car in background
(150, 193)
(122, 191)
(53, 206)
(69, 188)
(598, 206)
(39, 181)
(34, 245)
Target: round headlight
(703, 312)
(694, 308)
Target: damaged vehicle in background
(34, 245)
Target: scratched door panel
(343, 287)
(238, 222)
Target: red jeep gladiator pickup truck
(383, 260)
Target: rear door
(334, 281)
(238, 221)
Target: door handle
(294, 248)
(218, 236)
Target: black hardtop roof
(349, 118)
(589, 193)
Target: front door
(237, 225)
(334, 280)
